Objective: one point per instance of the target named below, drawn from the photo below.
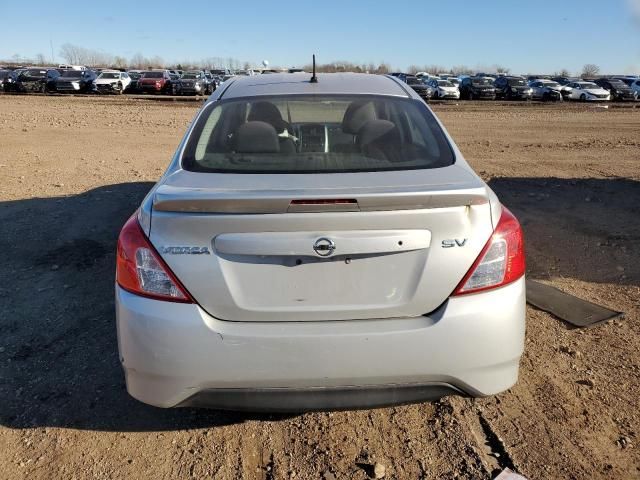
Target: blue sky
(535, 36)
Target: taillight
(501, 260)
(140, 269)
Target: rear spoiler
(196, 200)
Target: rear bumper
(178, 355)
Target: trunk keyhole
(400, 243)
(298, 262)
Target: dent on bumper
(172, 351)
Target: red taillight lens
(501, 260)
(140, 269)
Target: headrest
(256, 137)
(358, 113)
(378, 131)
(269, 113)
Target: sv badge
(454, 242)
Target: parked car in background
(134, 76)
(210, 83)
(455, 81)
(425, 91)
(532, 78)
(588, 92)
(176, 86)
(221, 72)
(75, 81)
(158, 81)
(618, 89)
(443, 89)
(236, 291)
(34, 80)
(4, 74)
(9, 82)
(193, 83)
(633, 83)
(112, 81)
(477, 88)
(547, 90)
(512, 88)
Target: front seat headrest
(256, 137)
(269, 113)
(378, 131)
(357, 114)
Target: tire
(546, 97)
(583, 98)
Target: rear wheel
(583, 98)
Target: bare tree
(119, 62)
(590, 70)
(156, 62)
(41, 59)
(461, 70)
(138, 61)
(562, 73)
(72, 53)
(384, 67)
(501, 70)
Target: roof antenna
(314, 79)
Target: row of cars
(85, 80)
(506, 87)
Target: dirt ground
(73, 169)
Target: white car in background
(112, 81)
(544, 89)
(588, 92)
(444, 89)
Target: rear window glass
(316, 134)
(153, 75)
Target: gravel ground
(73, 169)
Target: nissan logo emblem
(324, 247)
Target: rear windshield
(319, 134)
(516, 81)
(189, 76)
(72, 74)
(481, 81)
(152, 74)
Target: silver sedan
(318, 245)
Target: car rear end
(337, 275)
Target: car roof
(328, 84)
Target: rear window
(316, 134)
(152, 75)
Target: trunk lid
(321, 247)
